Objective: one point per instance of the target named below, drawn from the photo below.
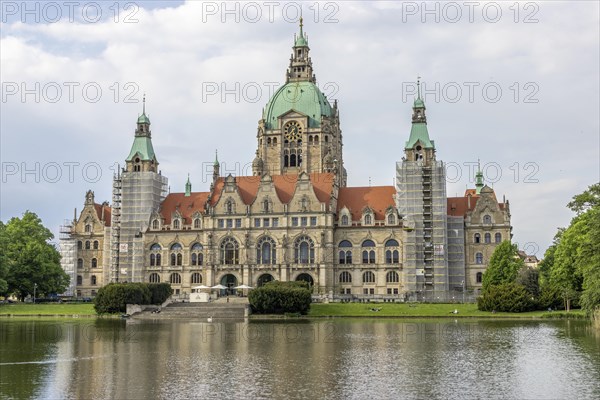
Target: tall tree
(504, 266)
(3, 261)
(31, 261)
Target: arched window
(87, 244)
(344, 220)
(197, 223)
(304, 250)
(93, 281)
(345, 277)
(391, 219)
(368, 219)
(478, 258)
(265, 251)
(95, 245)
(175, 278)
(487, 219)
(477, 238)
(155, 225)
(392, 256)
(88, 228)
(80, 263)
(230, 251)
(479, 277)
(392, 277)
(155, 255)
(79, 279)
(79, 245)
(498, 237)
(197, 257)
(487, 238)
(196, 277)
(154, 278)
(94, 263)
(392, 243)
(368, 277)
(176, 224)
(176, 256)
(345, 254)
(368, 256)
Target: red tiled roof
(107, 213)
(285, 185)
(186, 206)
(459, 206)
(378, 198)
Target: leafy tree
(3, 260)
(528, 277)
(587, 200)
(504, 265)
(547, 264)
(29, 260)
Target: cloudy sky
(513, 85)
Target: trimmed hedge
(159, 292)
(114, 297)
(281, 297)
(506, 297)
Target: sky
(514, 85)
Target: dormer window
(368, 219)
(197, 223)
(344, 221)
(155, 225)
(176, 224)
(487, 219)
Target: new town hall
(295, 218)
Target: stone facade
(294, 218)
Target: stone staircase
(199, 311)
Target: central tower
(300, 129)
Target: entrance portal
(306, 278)
(230, 281)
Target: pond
(334, 359)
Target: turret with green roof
(142, 151)
(418, 131)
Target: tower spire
(144, 104)
(188, 187)
(478, 178)
(418, 87)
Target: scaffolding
(68, 249)
(421, 200)
(135, 196)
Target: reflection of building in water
(295, 218)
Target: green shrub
(506, 297)
(159, 292)
(114, 297)
(281, 297)
(550, 297)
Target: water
(336, 359)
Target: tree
(3, 261)
(504, 265)
(30, 261)
(528, 277)
(587, 200)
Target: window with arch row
(479, 277)
(345, 253)
(368, 219)
(304, 250)
(477, 238)
(176, 256)
(487, 238)
(175, 278)
(197, 223)
(230, 251)
(498, 237)
(196, 254)
(155, 257)
(196, 277)
(345, 277)
(368, 256)
(266, 251)
(368, 277)
(392, 277)
(344, 220)
(154, 278)
(392, 256)
(96, 244)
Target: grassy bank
(425, 310)
(54, 309)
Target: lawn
(48, 309)
(422, 310)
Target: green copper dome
(302, 97)
(143, 119)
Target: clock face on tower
(293, 131)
